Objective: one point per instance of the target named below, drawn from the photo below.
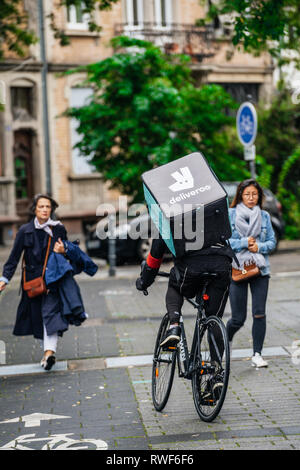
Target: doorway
(23, 171)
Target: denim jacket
(266, 241)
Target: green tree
(289, 193)
(278, 166)
(272, 25)
(279, 134)
(14, 35)
(145, 111)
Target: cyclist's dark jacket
(219, 256)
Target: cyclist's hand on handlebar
(140, 285)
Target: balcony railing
(174, 38)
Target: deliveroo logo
(184, 180)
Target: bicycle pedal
(169, 348)
(208, 402)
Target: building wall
(80, 194)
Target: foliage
(278, 162)
(272, 25)
(14, 35)
(264, 171)
(289, 195)
(278, 133)
(145, 112)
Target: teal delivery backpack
(187, 204)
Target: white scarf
(248, 224)
(46, 225)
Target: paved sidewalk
(100, 391)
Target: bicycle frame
(184, 358)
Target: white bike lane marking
(34, 419)
(55, 442)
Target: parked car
(129, 247)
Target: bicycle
(207, 365)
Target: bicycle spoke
(162, 370)
(211, 369)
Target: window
(76, 18)
(241, 92)
(80, 163)
(163, 12)
(134, 13)
(22, 102)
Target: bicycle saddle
(208, 275)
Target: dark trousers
(189, 285)
(238, 296)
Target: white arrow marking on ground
(34, 419)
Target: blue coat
(266, 241)
(63, 304)
(58, 265)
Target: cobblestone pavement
(110, 406)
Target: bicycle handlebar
(163, 274)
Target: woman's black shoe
(49, 362)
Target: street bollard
(111, 245)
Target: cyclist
(185, 281)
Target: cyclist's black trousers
(189, 285)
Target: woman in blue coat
(252, 240)
(32, 239)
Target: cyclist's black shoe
(171, 338)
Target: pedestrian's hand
(253, 248)
(2, 285)
(59, 247)
(251, 241)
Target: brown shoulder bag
(36, 286)
(251, 270)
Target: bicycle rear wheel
(163, 369)
(211, 369)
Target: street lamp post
(45, 96)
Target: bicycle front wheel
(211, 369)
(163, 369)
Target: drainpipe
(45, 96)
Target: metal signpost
(246, 123)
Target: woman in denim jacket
(252, 240)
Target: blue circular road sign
(246, 123)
